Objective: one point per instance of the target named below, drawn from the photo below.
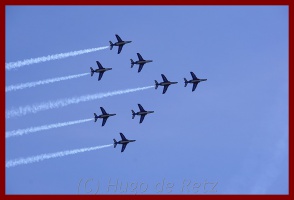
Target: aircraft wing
(193, 76)
(164, 78)
(118, 38)
(142, 118)
(119, 49)
(100, 75)
(123, 147)
(165, 89)
(122, 137)
(104, 121)
(141, 108)
(103, 111)
(140, 67)
(194, 86)
(99, 65)
(140, 57)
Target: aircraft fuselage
(125, 141)
(193, 81)
(144, 112)
(143, 61)
(196, 80)
(102, 70)
(121, 43)
(167, 83)
(105, 116)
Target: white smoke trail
(21, 132)
(38, 158)
(41, 82)
(17, 64)
(65, 102)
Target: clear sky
(230, 136)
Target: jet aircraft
(142, 113)
(165, 83)
(104, 116)
(120, 43)
(124, 141)
(100, 70)
(139, 62)
(194, 80)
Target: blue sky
(231, 133)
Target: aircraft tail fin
(114, 143)
(133, 113)
(156, 84)
(92, 71)
(132, 63)
(111, 45)
(96, 117)
(186, 82)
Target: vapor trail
(21, 132)
(65, 102)
(41, 82)
(32, 159)
(17, 64)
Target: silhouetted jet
(142, 113)
(140, 62)
(194, 80)
(100, 70)
(165, 83)
(104, 116)
(124, 141)
(120, 43)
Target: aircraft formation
(142, 112)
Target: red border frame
(145, 2)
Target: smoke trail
(42, 82)
(32, 159)
(13, 65)
(65, 102)
(21, 132)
